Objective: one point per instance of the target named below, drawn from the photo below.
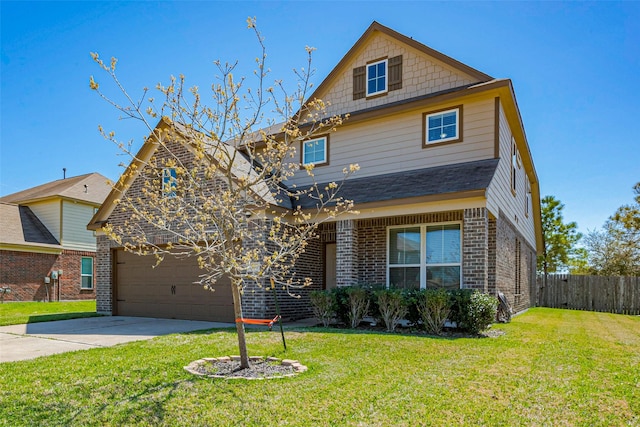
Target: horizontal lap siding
(49, 214)
(394, 144)
(75, 217)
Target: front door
(330, 266)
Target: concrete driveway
(22, 342)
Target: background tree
(615, 250)
(226, 202)
(560, 239)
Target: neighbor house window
(377, 77)
(86, 273)
(425, 256)
(169, 182)
(442, 126)
(315, 151)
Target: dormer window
(377, 77)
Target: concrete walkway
(28, 341)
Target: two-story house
(447, 192)
(43, 234)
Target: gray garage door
(167, 291)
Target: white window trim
(423, 253)
(386, 77)
(325, 145)
(87, 275)
(439, 113)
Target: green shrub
(391, 307)
(358, 305)
(324, 306)
(341, 300)
(460, 300)
(434, 306)
(481, 312)
(411, 297)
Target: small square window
(315, 151)
(442, 126)
(377, 78)
(86, 273)
(169, 182)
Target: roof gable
(20, 226)
(423, 70)
(91, 188)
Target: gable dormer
(385, 67)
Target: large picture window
(425, 256)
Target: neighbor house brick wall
(104, 283)
(24, 273)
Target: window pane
(381, 69)
(443, 244)
(404, 246)
(371, 71)
(443, 277)
(404, 277)
(435, 121)
(449, 118)
(449, 131)
(87, 282)
(434, 134)
(87, 266)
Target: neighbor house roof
(20, 227)
(92, 188)
(469, 178)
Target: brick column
(346, 253)
(475, 249)
(104, 283)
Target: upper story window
(169, 182)
(514, 165)
(377, 77)
(315, 151)
(442, 126)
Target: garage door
(167, 291)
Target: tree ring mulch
(260, 368)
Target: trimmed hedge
(465, 309)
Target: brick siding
(24, 273)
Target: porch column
(346, 253)
(475, 249)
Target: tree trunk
(237, 309)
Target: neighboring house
(447, 192)
(43, 234)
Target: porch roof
(456, 178)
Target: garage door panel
(168, 290)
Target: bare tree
(215, 188)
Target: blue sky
(575, 67)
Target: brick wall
(347, 245)
(475, 249)
(24, 273)
(104, 266)
(507, 237)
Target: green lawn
(14, 313)
(552, 367)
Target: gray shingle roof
(454, 178)
(19, 225)
(91, 187)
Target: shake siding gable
(394, 144)
(421, 75)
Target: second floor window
(314, 151)
(169, 182)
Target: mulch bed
(260, 368)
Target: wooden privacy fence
(593, 293)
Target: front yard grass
(15, 313)
(552, 367)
